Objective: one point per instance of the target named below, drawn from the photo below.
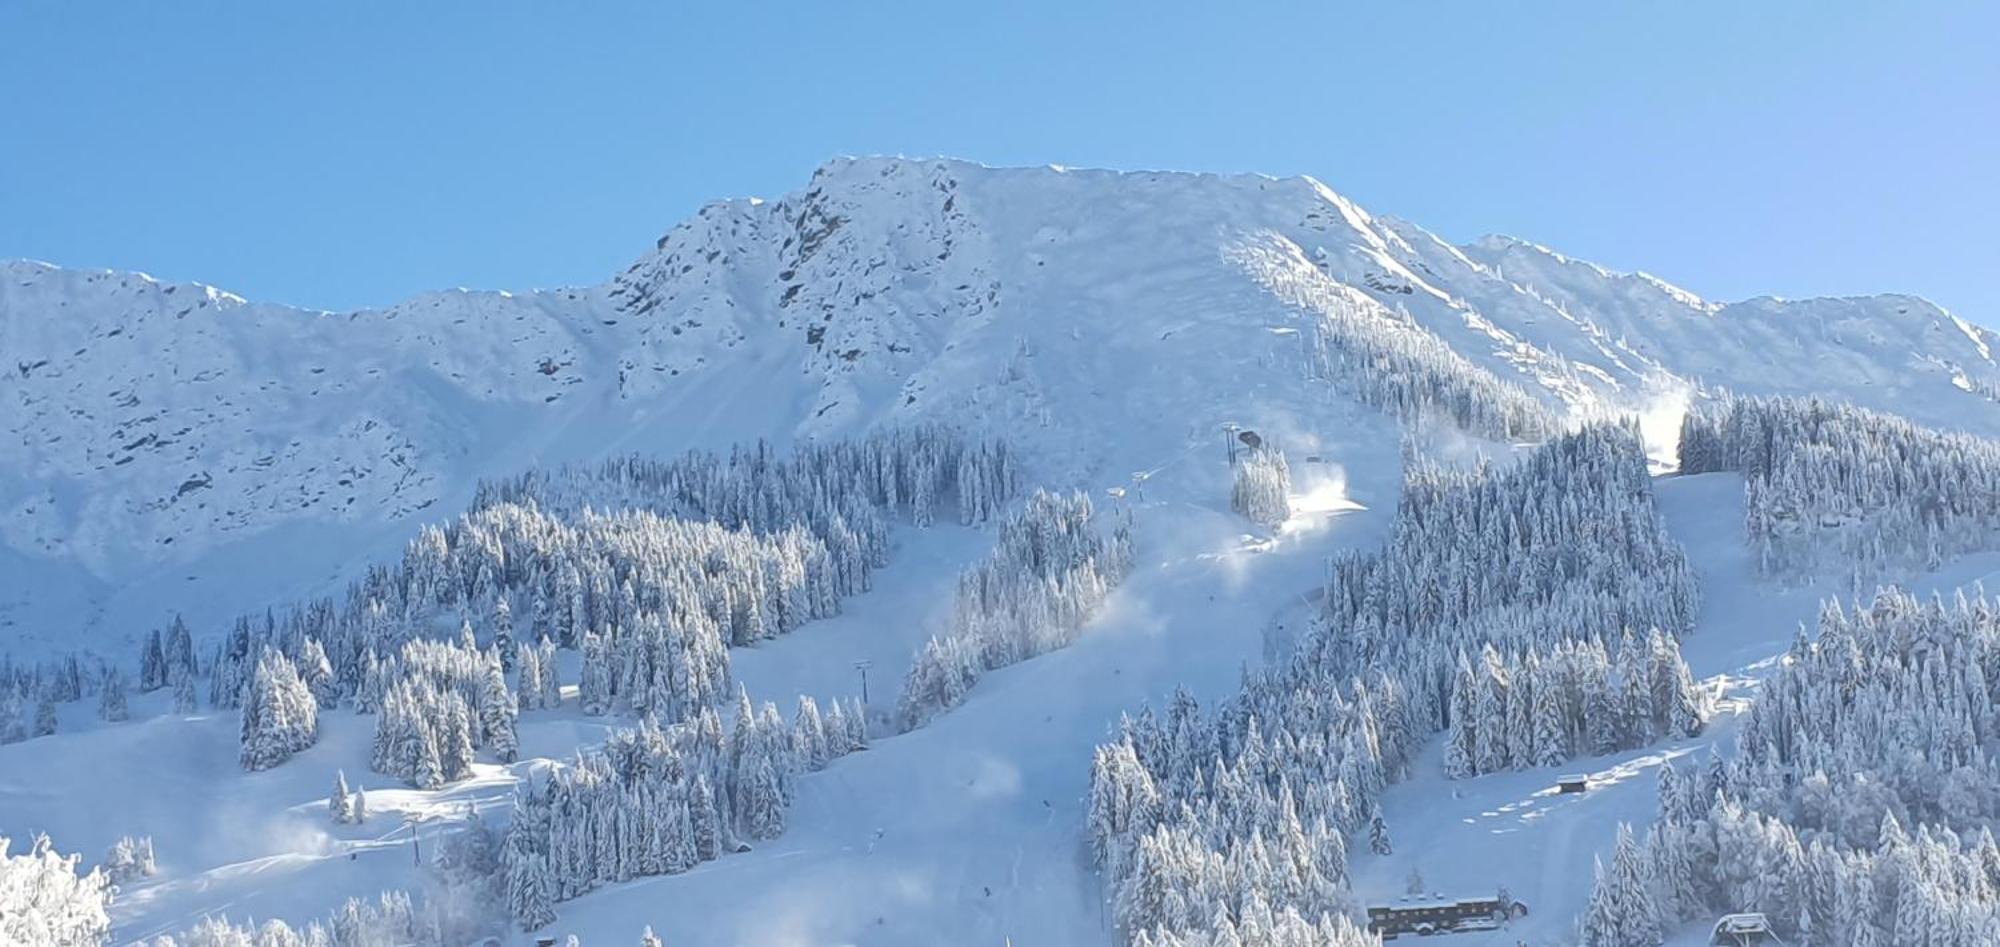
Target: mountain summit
(160, 423)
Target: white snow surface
(966, 831)
(175, 448)
(170, 446)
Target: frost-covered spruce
(130, 859)
(657, 800)
(180, 649)
(1641, 690)
(1052, 567)
(340, 804)
(152, 663)
(45, 716)
(13, 714)
(1486, 569)
(1263, 487)
(111, 704)
(45, 900)
(1838, 490)
(183, 691)
(280, 716)
(1858, 806)
(1406, 371)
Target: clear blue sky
(346, 154)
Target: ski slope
(186, 450)
(1468, 837)
(967, 830)
(987, 798)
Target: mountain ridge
(163, 422)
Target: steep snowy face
(1891, 352)
(148, 416)
(1079, 302)
(1101, 319)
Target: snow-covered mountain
(153, 426)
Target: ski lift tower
(863, 665)
(1229, 429)
(414, 822)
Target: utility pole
(863, 665)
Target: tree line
(1050, 570)
(1858, 808)
(1835, 489)
(1221, 827)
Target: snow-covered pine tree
(130, 859)
(528, 679)
(1263, 487)
(184, 694)
(45, 716)
(530, 895)
(340, 805)
(280, 716)
(498, 714)
(152, 663)
(111, 704)
(44, 900)
(503, 632)
(1378, 835)
(317, 672)
(180, 650)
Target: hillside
(165, 426)
(185, 451)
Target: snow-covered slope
(159, 432)
(1892, 352)
(175, 448)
